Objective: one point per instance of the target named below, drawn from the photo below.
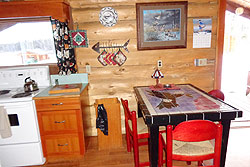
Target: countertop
(45, 93)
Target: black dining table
(171, 105)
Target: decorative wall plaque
(108, 16)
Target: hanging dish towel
(5, 130)
(102, 119)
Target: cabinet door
(61, 145)
(57, 9)
(58, 122)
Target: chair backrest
(217, 93)
(129, 116)
(133, 136)
(195, 131)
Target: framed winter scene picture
(161, 25)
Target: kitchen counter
(45, 93)
(62, 80)
(61, 118)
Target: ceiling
(243, 3)
(233, 4)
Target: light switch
(200, 62)
(88, 68)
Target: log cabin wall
(118, 81)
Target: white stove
(18, 95)
(23, 148)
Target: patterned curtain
(64, 52)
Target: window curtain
(64, 52)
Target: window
(236, 59)
(26, 41)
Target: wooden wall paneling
(92, 14)
(122, 30)
(85, 15)
(202, 9)
(143, 71)
(112, 3)
(103, 34)
(87, 55)
(116, 81)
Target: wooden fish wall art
(111, 54)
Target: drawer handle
(56, 122)
(60, 145)
(57, 104)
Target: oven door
(23, 120)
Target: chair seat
(191, 148)
(142, 127)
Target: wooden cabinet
(60, 103)
(58, 9)
(67, 144)
(61, 126)
(58, 122)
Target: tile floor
(238, 152)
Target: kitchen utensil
(30, 85)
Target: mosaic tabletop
(182, 100)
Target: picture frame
(161, 25)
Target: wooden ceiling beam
(232, 5)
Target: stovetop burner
(3, 92)
(21, 95)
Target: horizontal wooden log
(125, 30)
(132, 46)
(131, 75)
(134, 57)
(122, 30)
(114, 3)
(85, 15)
(92, 14)
(143, 58)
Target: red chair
(217, 93)
(195, 140)
(136, 129)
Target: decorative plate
(108, 16)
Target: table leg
(153, 145)
(139, 113)
(225, 134)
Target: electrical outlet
(159, 63)
(88, 68)
(200, 62)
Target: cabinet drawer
(59, 122)
(57, 104)
(58, 145)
